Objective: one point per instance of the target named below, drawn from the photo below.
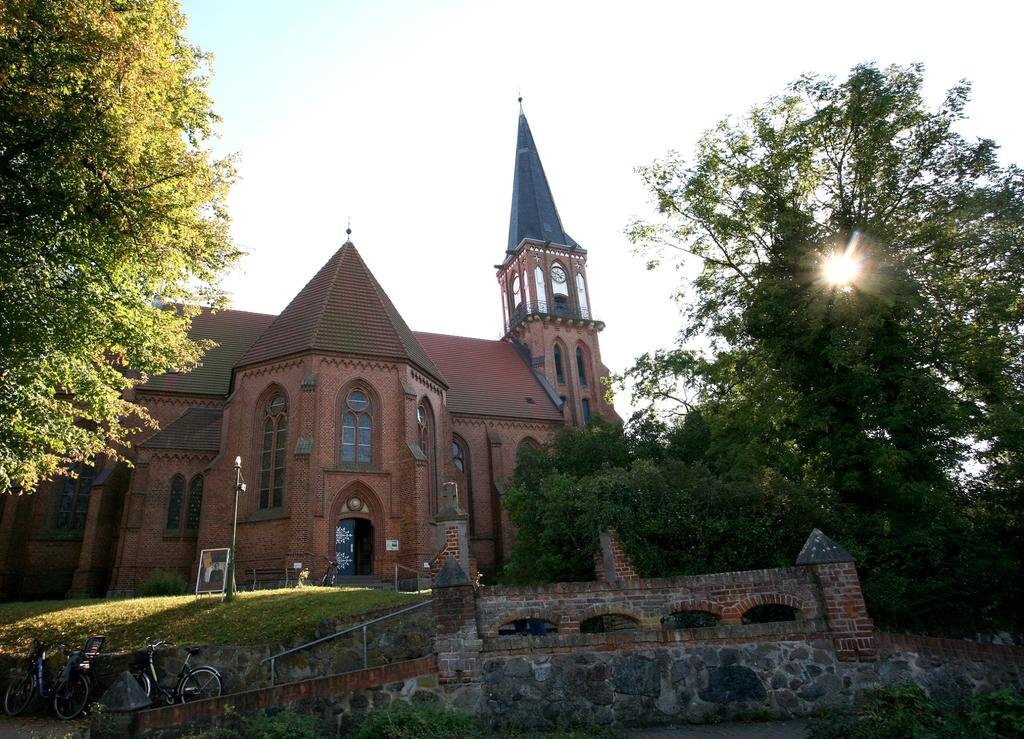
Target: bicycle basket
(92, 646)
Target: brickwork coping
(815, 630)
(253, 701)
(852, 629)
(949, 648)
(611, 564)
(457, 642)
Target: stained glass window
(195, 503)
(559, 370)
(272, 457)
(73, 504)
(580, 370)
(357, 429)
(174, 504)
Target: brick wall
(727, 595)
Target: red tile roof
(342, 310)
(196, 428)
(234, 331)
(488, 378)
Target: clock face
(558, 275)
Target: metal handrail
(419, 574)
(558, 309)
(273, 658)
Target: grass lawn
(261, 617)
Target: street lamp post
(229, 585)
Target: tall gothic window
(357, 429)
(73, 503)
(195, 504)
(559, 369)
(458, 456)
(174, 503)
(275, 437)
(581, 291)
(425, 421)
(580, 370)
(586, 411)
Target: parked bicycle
(69, 695)
(191, 683)
(330, 574)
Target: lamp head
(238, 462)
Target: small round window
(357, 400)
(276, 405)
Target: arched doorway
(353, 539)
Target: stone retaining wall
(607, 684)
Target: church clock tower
(545, 295)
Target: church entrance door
(354, 547)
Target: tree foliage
(887, 409)
(898, 396)
(109, 199)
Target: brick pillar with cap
(853, 631)
(453, 522)
(456, 641)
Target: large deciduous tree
(896, 388)
(110, 204)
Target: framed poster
(213, 571)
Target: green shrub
(163, 583)
(283, 724)
(997, 714)
(418, 721)
(898, 711)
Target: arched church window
(526, 289)
(275, 436)
(174, 504)
(425, 421)
(542, 297)
(195, 504)
(73, 503)
(559, 370)
(517, 296)
(581, 291)
(560, 289)
(458, 456)
(357, 429)
(580, 366)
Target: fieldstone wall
(696, 683)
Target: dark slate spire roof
(342, 310)
(820, 550)
(534, 215)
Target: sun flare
(841, 267)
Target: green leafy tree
(109, 199)
(861, 322)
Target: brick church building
(348, 424)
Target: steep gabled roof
(488, 378)
(534, 214)
(196, 428)
(342, 310)
(234, 331)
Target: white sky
(402, 115)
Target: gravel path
(42, 727)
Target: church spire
(534, 215)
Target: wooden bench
(279, 576)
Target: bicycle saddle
(192, 650)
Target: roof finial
(348, 231)
(519, 91)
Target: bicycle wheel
(19, 694)
(200, 683)
(145, 682)
(71, 698)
